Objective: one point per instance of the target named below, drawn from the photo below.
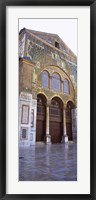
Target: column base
(64, 138)
(48, 139)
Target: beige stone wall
(25, 75)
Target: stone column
(48, 136)
(50, 82)
(62, 90)
(65, 137)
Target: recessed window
(56, 82)
(66, 86)
(55, 109)
(56, 44)
(45, 79)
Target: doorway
(41, 118)
(56, 120)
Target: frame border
(3, 4)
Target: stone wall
(25, 75)
(51, 39)
(43, 55)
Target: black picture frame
(3, 131)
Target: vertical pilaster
(62, 85)
(50, 82)
(48, 136)
(65, 137)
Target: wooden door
(55, 132)
(69, 123)
(41, 117)
(69, 130)
(55, 123)
(40, 132)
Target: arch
(57, 73)
(59, 97)
(70, 104)
(70, 101)
(61, 71)
(69, 108)
(41, 116)
(43, 94)
(56, 119)
(59, 100)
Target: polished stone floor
(53, 162)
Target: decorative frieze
(25, 96)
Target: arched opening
(41, 118)
(69, 108)
(66, 86)
(45, 79)
(56, 120)
(56, 82)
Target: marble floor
(48, 162)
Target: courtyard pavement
(48, 162)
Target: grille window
(56, 82)
(66, 86)
(23, 133)
(55, 110)
(45, 79)
(40, 107)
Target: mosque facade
(47, 89)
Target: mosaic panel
(25, 114)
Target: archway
(56, 120)
(69, 108)
(41, 118)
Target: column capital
(65, 106)
(50, 82)
(48, 103)
(50, 75)
(62, 80)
